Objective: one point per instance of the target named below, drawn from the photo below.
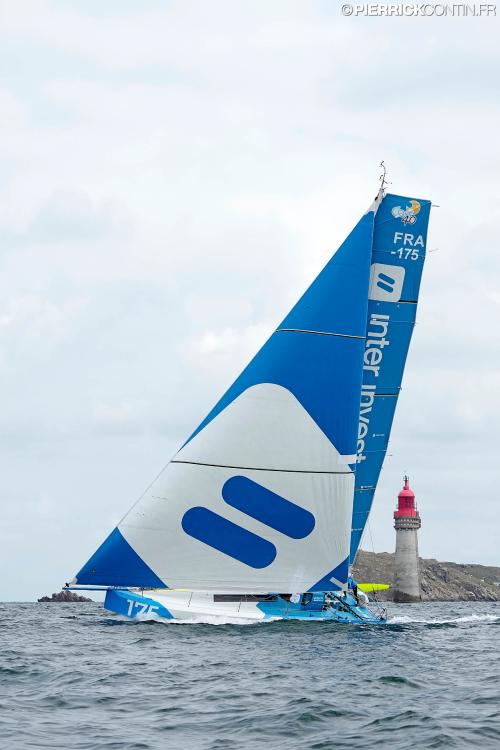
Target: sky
(173, 174)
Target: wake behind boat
(272, 491)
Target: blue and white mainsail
(399, 243)
(260, 497)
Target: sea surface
(73, 676)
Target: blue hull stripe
(132, 605)
(227, 537)
(268, 507)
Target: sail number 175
(406, 253)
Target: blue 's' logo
(386, 282)
(258, 502)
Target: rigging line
(373, 550)
(145, 491)
(370, 532)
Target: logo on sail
(407, 215)
(386, 282)
(259, 503)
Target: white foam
(405, 619)
(214, 620)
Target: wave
(199, 620)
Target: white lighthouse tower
(407, 523)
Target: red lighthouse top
(406, 502)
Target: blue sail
(260, 496)
(399, 245)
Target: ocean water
(73, 676)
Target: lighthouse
(407, 523)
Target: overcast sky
(172, 176)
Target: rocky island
(65, 596)
(439, 581)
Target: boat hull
(200, 606)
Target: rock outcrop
(439, 581)
(65, 596)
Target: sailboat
(272, 491)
